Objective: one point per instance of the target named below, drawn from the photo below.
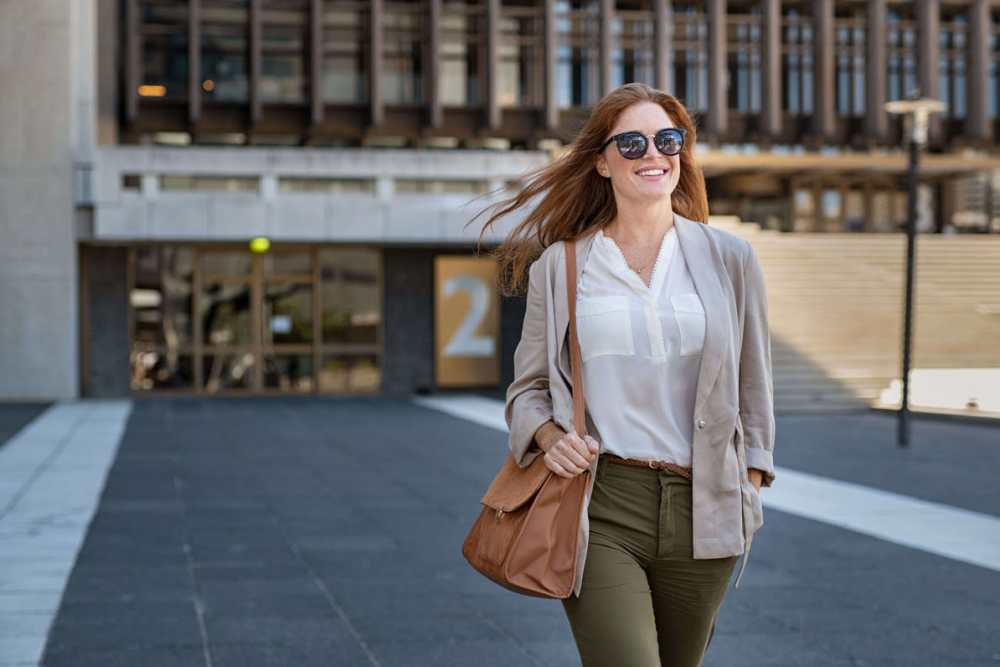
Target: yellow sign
(466, 321)
(260, 244)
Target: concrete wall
(408, 364)
(408, 321)
(381, 216)
(39, 42)
(105, 321)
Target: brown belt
(655, 465)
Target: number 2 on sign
(464, 342)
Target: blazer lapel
(697, 251)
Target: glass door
(227, 304)
(217, 319)
(288, 320)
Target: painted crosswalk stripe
(53, 471)
(944, 530)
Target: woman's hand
(568, 455)
(756, 477)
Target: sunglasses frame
(645, 138)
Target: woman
(672, 325)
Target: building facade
(151, 140)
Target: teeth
(651, 172)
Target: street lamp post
(916, 112)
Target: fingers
(571, 454)
(555, 467)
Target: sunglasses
(632, 144)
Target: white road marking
(53, 472)
(944, 530)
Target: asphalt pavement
(328, 531)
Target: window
(691, 56)
(160, 316)
(521, 56)
(463, 70)
(416, 185)
(849, 33)
(901, 32)
(993, 73)
(577, 37)
(164, 50)
(404, 38)
(224, 33)
(952, 80)
(209, 183)
(283, 69)
(744, 35)
(635, 46)
(326, 185)
(346, 26)
(219, 319)
(797, 62)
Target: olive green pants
(645, 601)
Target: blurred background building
(145, 143)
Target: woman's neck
(638, 225)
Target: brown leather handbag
(527, 536)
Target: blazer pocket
(604, 326)
(690, 316)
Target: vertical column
(194, 63)
(316, 104)
(108, 83)
(718, 70)
(928, 56)
(876, 122)
(606, 12)
(133, 59)
(977, 106)
(256, 319)
(824, 93)
(435, 112)
(663, 27)
(317, 314)
(256, 53)
(771, 64)
(551, 103)
(492, 64)
(377, 114)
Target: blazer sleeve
(529, 403)
(756, 383)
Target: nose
(650, 148)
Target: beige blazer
(733, 413)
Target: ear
(601, 165)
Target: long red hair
(575, 199)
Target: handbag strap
(576, 363)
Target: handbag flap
(514, 486)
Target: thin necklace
(644, 266)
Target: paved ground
(328, 532)
(13, 417)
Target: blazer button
(701, 423)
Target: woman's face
(648, 118)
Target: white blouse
(641, 349)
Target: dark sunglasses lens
(632, 145)
(669, 142)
